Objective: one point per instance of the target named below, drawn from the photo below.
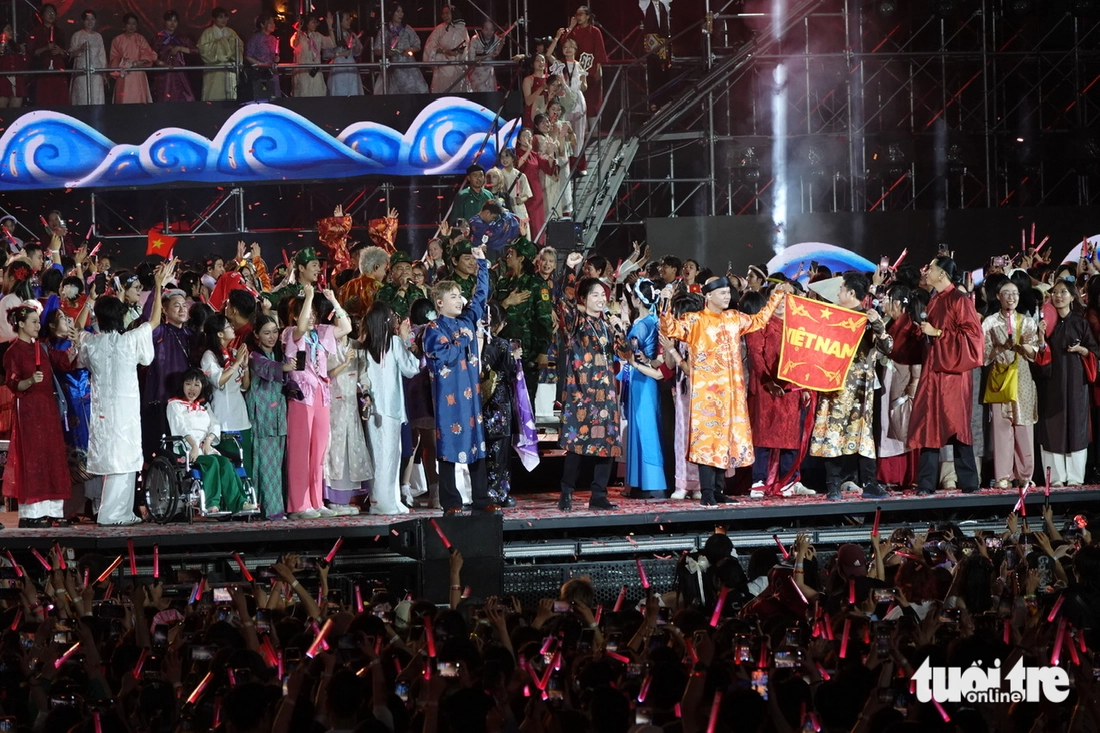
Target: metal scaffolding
(875, 105)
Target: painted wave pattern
(259, 142)
(837, 259)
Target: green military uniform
(531, 322)
(391, 294)
(465, 284)
(401, 304)
(294, 289)
(469, 202)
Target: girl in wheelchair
(191, 419)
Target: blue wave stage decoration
(259, 142)
(837, 259)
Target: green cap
(525, 248)
(461, 247)
(307, 255)
(399, 256)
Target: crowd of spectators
(763, 643)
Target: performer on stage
(720, 435)
(220, 47)
(843, 432)
(949, 345)
(778, 412)
(589, 404)
(645, 464)
(448, 42)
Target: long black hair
(253, 338)
(214, 325)
(376, 331)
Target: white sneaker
(758, 485)
(406, 494)
(343, 510)
(249, 507)
(307, 514)
(797, 489)
(756, 493)
(679, 495)
(851, 487)
(324, 512)
(697, 495)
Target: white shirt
(228, 403)
(186, 419)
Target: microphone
(923, 318)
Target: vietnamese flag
(819, 343)
(160, 244)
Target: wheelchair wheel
(162, 490)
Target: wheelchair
(173, 487)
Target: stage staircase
(611, 156)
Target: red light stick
(844, 638)
(201, 688)
(60, 556)
(38, 556)
(546, 645)
(535, 678)
(763, 662)
(717, 613)
(358, 599)
(1021, 504)
(1072, 650)
(618, 657)
(852, 591)
(312, 651)
(1008, 631)
(1056, 652)
(779, 544)
(829, 627)
(133, 558)
(900, 259)
(1043, 243)
(439, 531)
(98, 724)
(641, 573)
(1032, 234)
(339, 541)
(1023, 240)
(140, 663)
(14, 564)
(823, 672)
(244, 568)
(878, 516)
(43, 220)
(676, 711)
(37, 355)
(1057, 607)
(156, 561)
(690, 646)
(1081, 642)
(65, 657)
(18, 618)
(430, 634)
(194, 594)
(109, 592)
(645, 688)
(1048, 481)
(232, 680)
(943, 713)
(620, 599)
(598, 614)
(713, 720)
(95, 249)
(110, 569)
(554, 664)
(202, 587)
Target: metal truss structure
(868, 105)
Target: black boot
(565, 502)
(599, 501)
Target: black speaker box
(561, 234)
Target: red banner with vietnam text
(819, 343)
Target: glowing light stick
(110, 569)
(332, 553)
(439, 531)
(312, 651)
(244, 568)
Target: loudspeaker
(561, 234)
(480, 539)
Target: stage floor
(538, 513)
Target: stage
(531, 549)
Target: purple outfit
(172, 86)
